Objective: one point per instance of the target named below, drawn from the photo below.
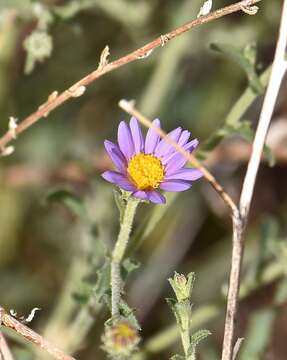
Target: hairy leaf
(120, 202)
(245, 59)
(173, 306)
(128, 313)
(102, 286)
(128, 267)
(242, 128)
(195, 339)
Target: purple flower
(145, 166)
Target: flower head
(146, 166)
(120, 340)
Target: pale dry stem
(10, 322)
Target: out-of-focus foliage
(55, 244)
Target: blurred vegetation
(57, 216)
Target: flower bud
(120, 339)
(182, 286)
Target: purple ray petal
(118, 179)
(137, 135)
(185, 174)
(156, 197)
(152, 138)
(175, 185)
(176, 161)
(164, 148)
(116, 155)
(125, 140)
(183, 139)
(140, 194)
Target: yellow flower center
(126, 331)
(123, 336)
(145, 171)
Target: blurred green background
(49, 255)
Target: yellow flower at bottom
(120, 339)
(145, 171)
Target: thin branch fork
(239, 222)
(239, 213)
(10, 322)
(78, 89)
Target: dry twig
(239, 222)
(239, 214)
(78, 88)
(10, 322)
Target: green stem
(185, 332)
(168, 336)
(119, 252)
(246, 99)
(204, 314)
(236, 113)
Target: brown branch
(130, 109)
(239, 213)
(23, 330)
(4, 349)
(76, 90)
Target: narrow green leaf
(102, 286)
(68, 199)
(245, 59)
(190, 282)
(195, 339)
(149, 223)
(128, 313)
(268, 240)
(128, 267)
(212, 141)
(120, 202)
(250, 52)
(200, 335)
(81, 298)
(269, 156)
(172, 304)
(242, 128)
